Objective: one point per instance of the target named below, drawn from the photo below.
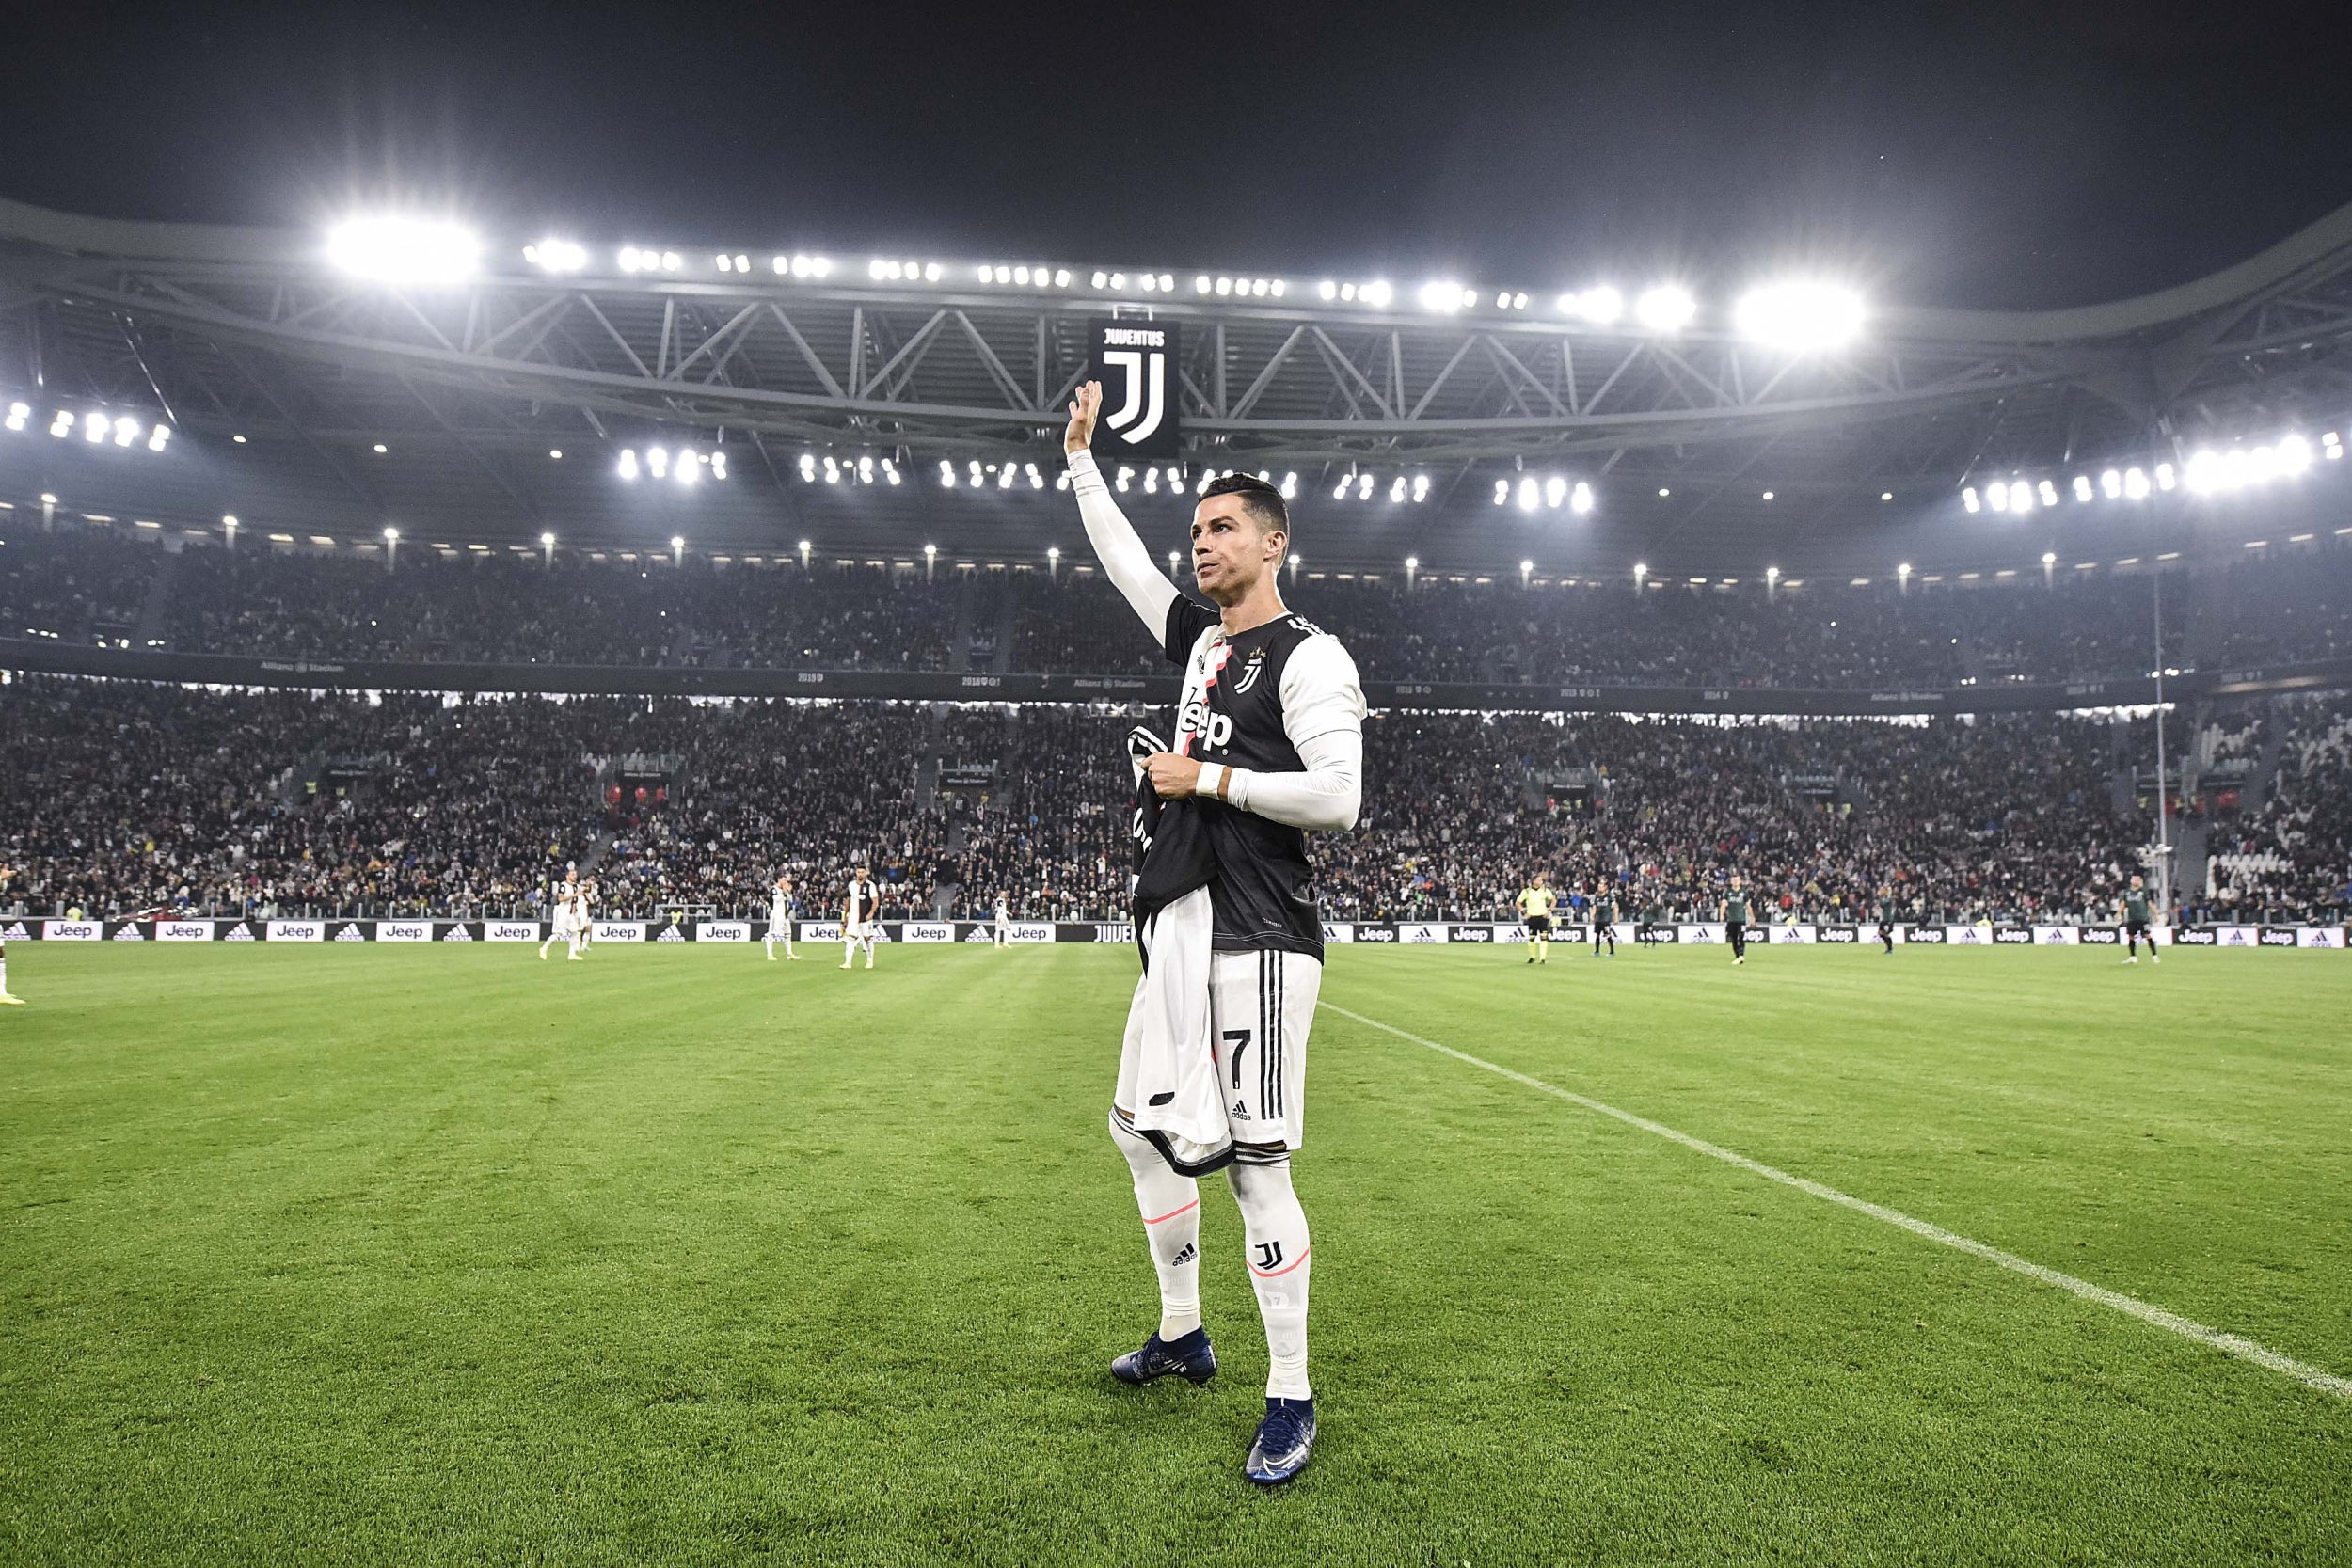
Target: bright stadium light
(1531, 494)
(2135, 484)
(1375, 294)
(1555, 492)
(1800, 315)
(1289, 486)
(1601, 305)
(2082, 488)
(1441, 297)
(554, 255)
(1580, 499)
(946, 474)
(95, 428)
(395, 249)
(1968, 498)
(1667, 307)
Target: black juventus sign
(1135, 362)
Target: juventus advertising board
(1136, 363)
(1027, 933)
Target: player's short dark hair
(1262, 501)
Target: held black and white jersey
(1251, 700)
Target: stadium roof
(296, 389)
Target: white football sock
(4, 971)
(1171, 1206)
(1276, 1226)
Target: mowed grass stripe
(2229, 1344)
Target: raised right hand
(1084, 411)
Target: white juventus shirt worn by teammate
(858, 912)
(1275, 715)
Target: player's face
(1229, 553)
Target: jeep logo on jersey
(1135, 362)
(1215, 730)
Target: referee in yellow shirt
(1535, 901)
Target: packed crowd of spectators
(86, 584)
(2292, 852)
(118, 796)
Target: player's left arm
(1323, 714)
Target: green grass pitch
(419, 1256)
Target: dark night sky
(1994, 153)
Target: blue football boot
(1187, 1356)
(1285, 1441)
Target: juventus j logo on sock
(1271, 1253)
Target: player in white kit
(559, 916)
(584, 919)
(5, 1000)
(1268, 748)
(780, 919)
(1004, 918)
(859, 911)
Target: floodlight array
(2207, 471)
(1549, 493)
(685, 466)
(94, 426)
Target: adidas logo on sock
(1187, 1254)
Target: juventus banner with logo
(1136, 361)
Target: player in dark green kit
(1604, 923)
(1886, 921)
(2138, 923)
(1735, 914)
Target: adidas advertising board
(1968, 935)
(670, 933)
(511, 930)
(2320, 936)
(240, 931)
(1136, 362)
(350, 930)
(128, 931)
(1338, 932)
(1702, 931)
(2235, 936)
(73, 930)
(616, 930)
(183, 930)
(404, 930)
(926, 930)
(1413, 931)
(457, 932)
(16, 932)
(980, 933)
(1789, 936)
(2056, 936)
(296, 931)
(723, 930)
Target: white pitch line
(2229, 1344)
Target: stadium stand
(122, 796)
(90, 585)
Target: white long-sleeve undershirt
(1126, 559)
